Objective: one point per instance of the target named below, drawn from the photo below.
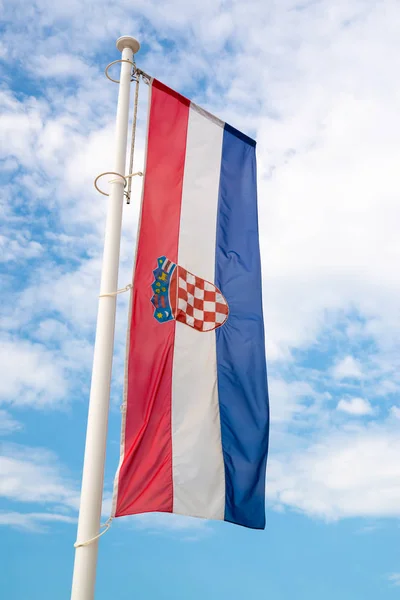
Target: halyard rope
(121, 291)
(134, 121)
(107, 526)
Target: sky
(316, 84)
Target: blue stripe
(239, 134)
(242, 372)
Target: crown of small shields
(181, 296)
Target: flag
(195, 413)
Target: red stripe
(145, 478)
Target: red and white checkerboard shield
(196, 302)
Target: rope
(134, 121)
(121, 291)
(107, 526)
(133, 175)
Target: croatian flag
(195, 413)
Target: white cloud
(33, 522)
(8, 424)
(394, 578)
(34, 475)
(395, 411)
(30, 374)
(59, 66)
(294, 399)
(347, 368)
(351, 473)
(20, 124)
(20, 248)
(3, 50)
(355, 406)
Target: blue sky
(316, 84)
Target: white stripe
(197, 463)
(208, 115)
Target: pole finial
(126, 41)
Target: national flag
(195, 413)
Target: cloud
(59, 66)
(33, 522)
(394, 579)
(395, 411)
(33, 475)
(41, 382)
(8, 424)
(293, 400)
(355, 406)
(20, 248)
(347, 368)
(350, 473)
(20, 124)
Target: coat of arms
(180, 295)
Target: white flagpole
(83, 583)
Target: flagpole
(84, 576)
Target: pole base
(126, 41)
